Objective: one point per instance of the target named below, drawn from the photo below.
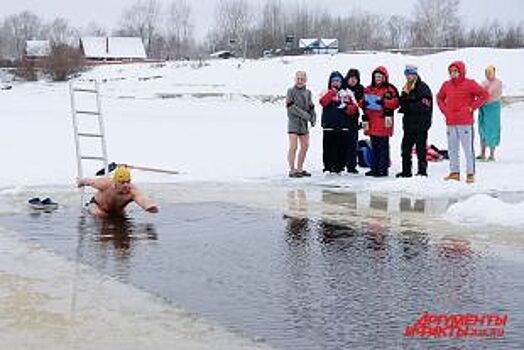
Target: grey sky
(108, 12)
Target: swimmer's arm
(144, 202)
(99, 184)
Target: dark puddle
(296, 283)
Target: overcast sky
(107, 12)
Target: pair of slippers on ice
(44, 204)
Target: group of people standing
(348, 106)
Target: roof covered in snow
(113, 47)
(221, 54)
(318, 43)
(37, 48)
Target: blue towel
(372, 100)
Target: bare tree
(60, 32)
(514, 37)
(233, 19)
(141, 19)
(178, 29)
(399, 32)
(18, 29)
(272, 24)
(436, 23)
(94, 29)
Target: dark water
(294, 283)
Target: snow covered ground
(210, 121)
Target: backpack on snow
(365, 154)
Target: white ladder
(97, 134)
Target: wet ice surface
(297, 282)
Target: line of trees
(167, 30)
(432, 23)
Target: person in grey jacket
(300, 112)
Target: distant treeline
(167, 30)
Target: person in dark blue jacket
(338, 105)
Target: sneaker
(470, 178)
(295, 174)
(305, 173)
(480, 158)
(453, 176)
(403, 174)
(46, 204)
(35, 203)
(49, 203)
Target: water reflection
(413, 243)
(328, 232)
(297, 203)
(391, 204)
(115, 234)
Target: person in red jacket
(458, 98)
(379, 103)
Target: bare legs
(292, 152)
(294, 142)
(483, 148)
(304, 146)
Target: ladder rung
(87, 112)
(86, 134)
(92, 158)
(85, 90)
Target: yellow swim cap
(490, 69)
(122, 174)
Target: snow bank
(485, 210)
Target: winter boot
(470, 178)
(453, 176)
(403, 174)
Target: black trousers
(418, 139)
(380, 146)
(335, 148)
(351, 158)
